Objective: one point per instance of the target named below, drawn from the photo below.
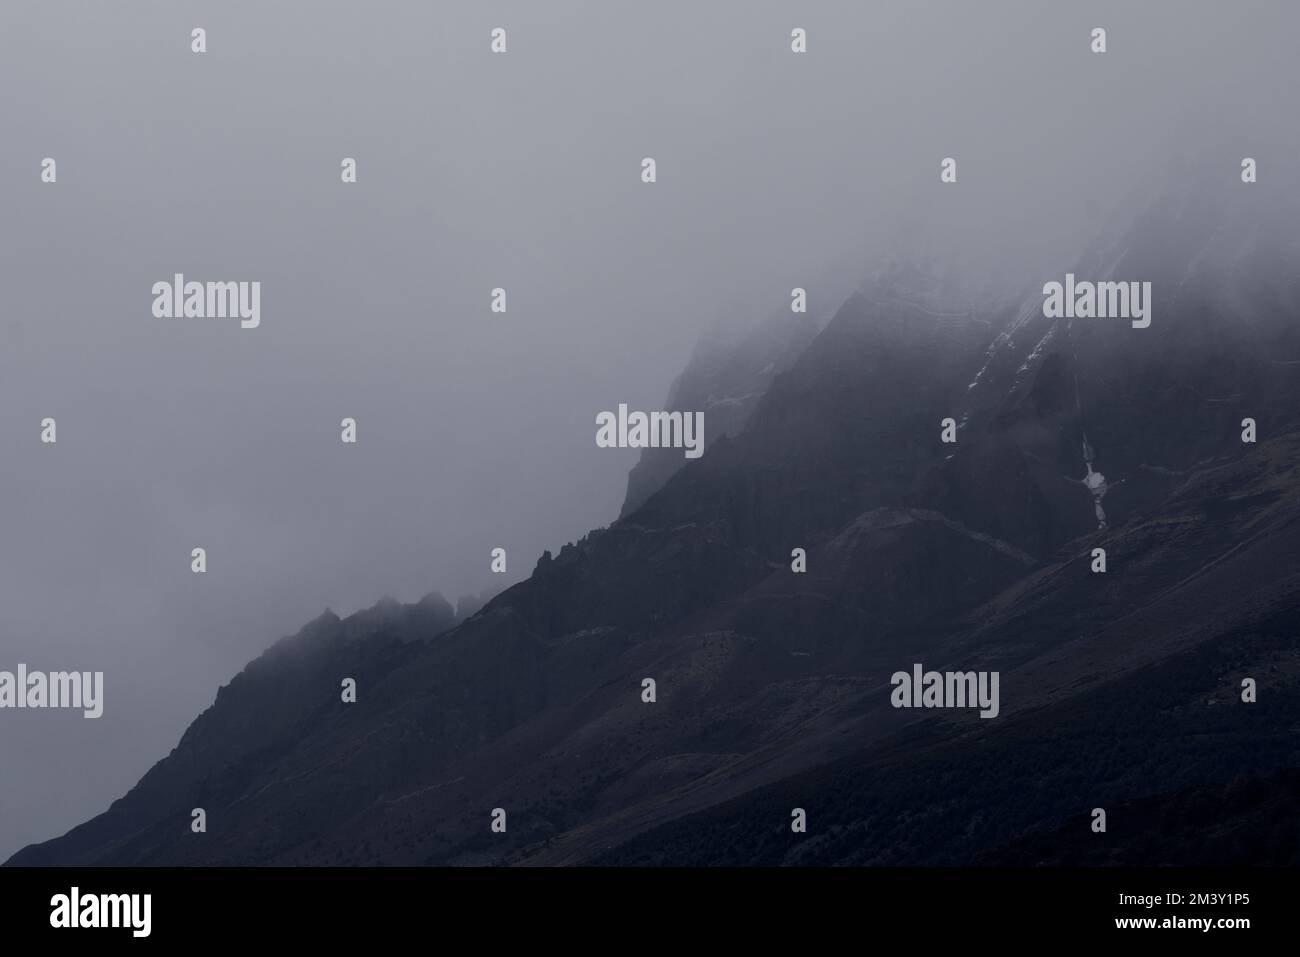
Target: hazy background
(476, 430)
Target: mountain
(729, 371)
(1119, 689)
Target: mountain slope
(773, 685)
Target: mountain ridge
(773, 684)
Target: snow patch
(1095, 483)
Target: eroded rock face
(726, 376)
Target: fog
(523, 171)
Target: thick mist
(476, 430)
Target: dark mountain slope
(849, 427)
(1061, 403)
(1023, 793)
(1063, 632)
(727, 374)
(291, 691)
(1253, 821)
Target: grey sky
(522, 171)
